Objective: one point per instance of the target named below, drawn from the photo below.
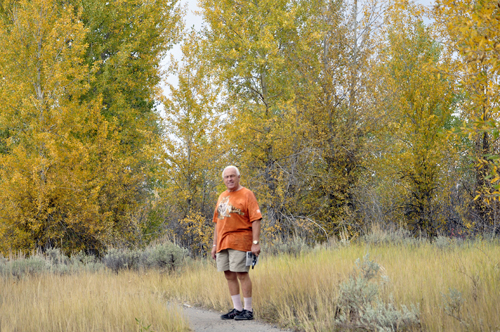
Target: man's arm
(214, 244)
(256, 236)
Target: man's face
(231, 179)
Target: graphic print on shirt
(225, 208)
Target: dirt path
(203, 320)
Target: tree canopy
(340, 114)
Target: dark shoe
(244, 315)
(231, 314)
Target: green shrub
(442, 242)
(166, 256)
(360, 308)
(399, 236)
(121, 259)
(53, 261)
(22, 266)
(293, 246)
(56, 257)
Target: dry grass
(301, 292)
(85, 302)
(298, 292)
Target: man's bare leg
(246, 283)
(234, 289)
(246, 287)
(232, 282)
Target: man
(237, 230)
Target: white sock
(237, 302)
(248, 303)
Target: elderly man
(237, 230)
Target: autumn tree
(76, 137)
(195, 149)
(415, 101)
(127, 40)
(249, 46)
(294, 73)
(336, 70)
(45, 173)
(470, 30)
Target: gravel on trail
(204, 320)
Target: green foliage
(250, 56)
(294, 72)
(126, 42)
(143, 327)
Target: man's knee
(230, 275)
(242, 276)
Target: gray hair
(236, 168)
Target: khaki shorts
(232, 260)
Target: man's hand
(256, 249)
(214, 251)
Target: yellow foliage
(292, 72)
(471, 30)
(198, 232)
(193, 156)
(416, 108)
(65, 178)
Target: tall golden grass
(299, 292)
(99, 301)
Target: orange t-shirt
(234, 215)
